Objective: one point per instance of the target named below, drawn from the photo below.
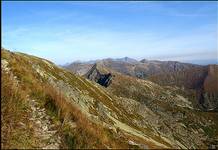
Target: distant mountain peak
(126, 59)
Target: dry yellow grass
(13, 114)
(87, 134)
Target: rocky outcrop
(95, 75)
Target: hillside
(45, 106)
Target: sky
(64, 32)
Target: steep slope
(129, 113)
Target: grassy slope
(86, 135)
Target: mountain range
(168, 73)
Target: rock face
(95, 75)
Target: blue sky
(68, 31)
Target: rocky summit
(111, 103)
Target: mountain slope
(79, 113)
(62, 95)
(168, 73)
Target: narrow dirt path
(43, 128)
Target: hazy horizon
(199, 62)
(64, 32)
